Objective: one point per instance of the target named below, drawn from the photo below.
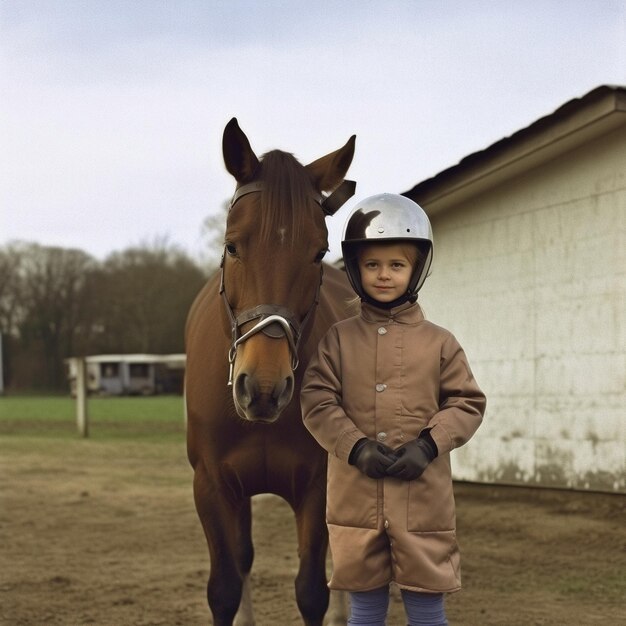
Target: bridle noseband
(275, 320)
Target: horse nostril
(259, 402)
(279, 389)
(246, 389)
(283, 392)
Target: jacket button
(381, 387)
(381, 436)
(382, 330)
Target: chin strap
(387, 306)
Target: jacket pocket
(352, 497)
(430, 505)
(428, 562)
(414, 423)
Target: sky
(112, 112)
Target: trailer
(129, 374)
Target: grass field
(155, 418)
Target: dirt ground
(95, 532)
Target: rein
(274, 320)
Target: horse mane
(286, 186)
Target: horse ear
(239, 158)
(328, 171)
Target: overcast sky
(112, 112)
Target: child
(389, 395)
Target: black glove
(371, 457)
(412, 459)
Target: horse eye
(320, 255)
(231, 248)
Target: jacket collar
(407, 313)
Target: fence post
(82, 416)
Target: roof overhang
(573, 124)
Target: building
(529, 273)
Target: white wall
(530, 277)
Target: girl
(389, 395)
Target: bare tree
(50, 316)
(212, 233)
(10, 299)
(144, 295)
(10, 287)
(56, 303)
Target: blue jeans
(369, 608)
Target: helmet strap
(387, 306)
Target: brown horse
(249, 336)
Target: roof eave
(576, 122)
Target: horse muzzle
(254, 403)
(263, 380)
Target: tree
(144, 295)
(45, 308)
(10, 297)
(212, 232)
(10, 287)
(56, 303)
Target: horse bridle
(274, 320)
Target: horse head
(275, 240)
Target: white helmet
(388, 217)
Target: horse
(249, 335)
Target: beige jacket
(387, 375)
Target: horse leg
(226, 524)
(311, 589)
(245, 614)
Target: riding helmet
(389, 218)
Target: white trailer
(130, 374)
